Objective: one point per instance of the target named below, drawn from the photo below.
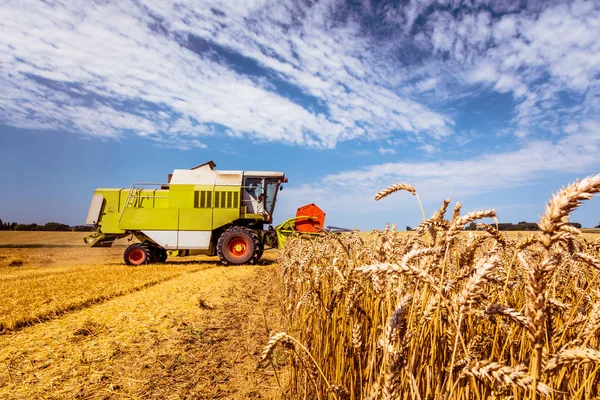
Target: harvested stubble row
(47, 292)
(197, 336)
(443, 313)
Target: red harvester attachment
(315, 222)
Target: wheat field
(443, 314)
(438, 313)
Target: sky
(492, 103)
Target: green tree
(56, 226)
(471, 227)
(84, 228)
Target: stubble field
(77, 323)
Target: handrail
(136, 185)
(148, 197)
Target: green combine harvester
(199, 211)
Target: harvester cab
(259, 193)
(198, 211)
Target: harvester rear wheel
(158, 254)
(261, 250)
(238, 245)
(137, 254)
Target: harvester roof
(205, 174)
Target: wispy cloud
(540, 56)
(383, 150)
(576, 153)
(483, 173)
(112, 68)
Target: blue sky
(492, 103)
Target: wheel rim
(136, 255)
(238, 247)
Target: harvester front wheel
(136, 254)
(238, 245)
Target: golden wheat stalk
(397, 187)
(512, 314)
(473, 285)
(458, 224)
(431, 225)
(557, 211)
(568, 357)
(528, 241)
(404, 267)
(439, 214)
(273, 341)
(587, 259)
(357, 342)
(284, 338)
(395, 269)
(493, 232)
(557, 305)
(456, 212)
(505, 375)
(571, 230)
(592, 324)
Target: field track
(21, 239)
(187, 329)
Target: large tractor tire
(137, 254)
(261, 250)
(239, 245)
(157, 254)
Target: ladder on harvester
(134, 195)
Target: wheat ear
(587, 259)
(564, 202)
(458, 224)
(497, 373)
(572, 356)
(512, 314)
(474, 283)
(397, 187)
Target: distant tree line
(50, 226)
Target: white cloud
(540, 54)
(576, 153)
(428, 148)
(383, 150)
(107, 68)
(113, 69)
(427, 84)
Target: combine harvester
(199, 211)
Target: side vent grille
(223, 199)
(203, 199)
